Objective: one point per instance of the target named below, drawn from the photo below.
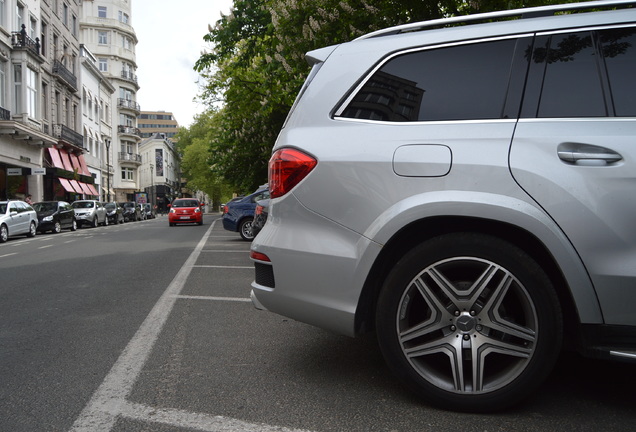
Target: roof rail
(519, 13)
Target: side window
(564, 79)
(453, 83)
(618, 47)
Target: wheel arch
(423, 229)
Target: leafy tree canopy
(256, 65)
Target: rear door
(574, 152)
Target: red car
(185, 210)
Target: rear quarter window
(450, 83)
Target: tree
(194, 147)
(256, 64)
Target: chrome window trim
(588, 28)
(425, 122)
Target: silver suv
(467, 191)
(90, 212)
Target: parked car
(150, 211)
(260, 216)
(238, 215)
(90, 212)
(131, 211)
(466, 188)
(17, 218)
(55, 216)
(185, 210)
(142, 211)
(114, 212)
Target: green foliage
(256, 65)
(196, 163)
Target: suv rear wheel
(470, 321)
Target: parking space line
(193, 420)
(224, 266)
(231, 299)
(105, 406)
(9, 254)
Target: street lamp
(152, 185)
(108, 167)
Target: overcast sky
(170, 34)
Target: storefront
(67, 177)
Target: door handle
(585, 154)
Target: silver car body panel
(324, 236)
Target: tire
(33, 230)
(245, 229)
(470, 322)
(106, 221)
(57, 227)
(74, 225)
(95, 222)
(4, 233)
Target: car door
(66, 214)
(16, 222)
(574, 152)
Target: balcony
(5, 114)
(129, 130)
(68, 135)
(129, 76)
(129, 104)
(65, 75)
(129, 157)
(21, 40)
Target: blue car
(238, 214)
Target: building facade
(106, 30)
(41, 146)
(160, 178)
(153, 122)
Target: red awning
(76, 186)
(66, 160)
(85, 188)
(55, 157)
(66, 184)
(75, 162)
(92, 188)
(84, 170)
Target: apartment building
(107, 32)
(153, 122)
(41, 146)
(160, 178)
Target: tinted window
(572, 85)
(453, 83)
(619, 52)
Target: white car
(16, 218)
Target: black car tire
(245, 229)
(469, 321)
(57, 227)
(74, 225)
(33, 229)
(95, 222)
(4, 233)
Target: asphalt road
(146, 327)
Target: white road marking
(109, 403)
(232, 299)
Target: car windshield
(128, 205)
(83, 204)
(185, 203)
(110, 206)
(44, 206)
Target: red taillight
(259, 210)
(259, 256)
(287, 167)
(225, 210)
